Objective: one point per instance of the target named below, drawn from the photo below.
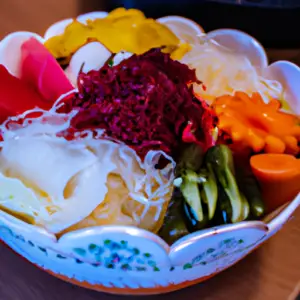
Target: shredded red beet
(146, 101)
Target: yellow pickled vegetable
(122, 30)
(122, 12)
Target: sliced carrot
(253, 124)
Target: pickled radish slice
(91, 56)
(10, 50)
(41, 70)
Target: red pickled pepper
(146, 101)
(17, 96)
(208, 121)
(41, 82)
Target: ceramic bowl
(128, 260)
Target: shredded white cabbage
(64, 185)
(224, 72)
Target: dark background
(273, 22)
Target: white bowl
(127, 260)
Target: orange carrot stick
(279, 177)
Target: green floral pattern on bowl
(224, 249)
(118, 255)
(121, 256)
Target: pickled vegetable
(253, 124)
(278, 176)
(249, 186)
(191, 158)
(246, 207)
(210, 191)
(213, 191)
(122, 30)
(221, 160)
(174, 226)
(190, 162)
(224, 211)
(191, 194)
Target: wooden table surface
(271, 272)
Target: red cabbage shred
(146, 101)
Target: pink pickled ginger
(41, 70)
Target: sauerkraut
(223, 71)
(64, 185)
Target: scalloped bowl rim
(275, 223)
